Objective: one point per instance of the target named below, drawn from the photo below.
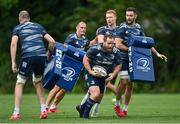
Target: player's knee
(124, 82)
(37, 79)
(95, 94)
(109, 85)
(21, 79)
(56, 89)
(63, 90)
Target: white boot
(95, 109)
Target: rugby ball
(101, 70)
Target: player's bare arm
(100, 38)
(161, 56)
(115, 72)
(51, 44)
(94, 41)
(13, 50)
(88, 68)
(120, 45)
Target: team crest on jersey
(76, 53)
(99, 55)
(112, 56)
(77, 42)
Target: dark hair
(108, 34)
(132, 9)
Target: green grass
(144, 108)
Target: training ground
(144, 108)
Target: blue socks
(86, 107)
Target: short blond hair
(24, 14)
(81, 22)
(111, 11)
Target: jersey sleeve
(118, 57)
(142, 32)
(141, 29)
(69, 40)
(120, 31)
(43, 30)
(100, 31)
(87, 42)
(15, 31)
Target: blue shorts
(125, 65)
(94, 81)
(124, 73)
(30, 65)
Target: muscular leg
(40, 93)
(95, 93)
(51, 94)
(94, 98)
(59, 96)
(18, 96)
(128, 94)
(96, 106)
(121, 88)
(111, 87)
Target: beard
(109, 50)
(130, 22)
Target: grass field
(144, 108)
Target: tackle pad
(65, 67)
(140, 58)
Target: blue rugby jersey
(31, 36)
(125, 30)
(77, 42)
(100, 57)
(105, 29)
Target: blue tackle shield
(140, 59)
(68, 64)
(53, 69)
(71, 69)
